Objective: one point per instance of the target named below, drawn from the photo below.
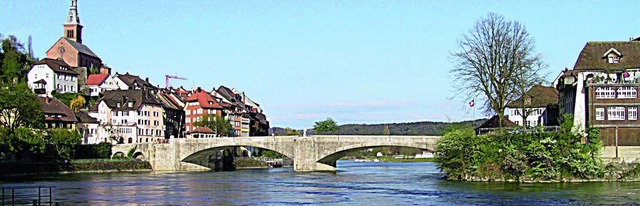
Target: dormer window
(612, 56)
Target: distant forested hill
(412, 128)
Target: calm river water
(354, 184)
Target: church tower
(72, 27)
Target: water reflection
(354, 183)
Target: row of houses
(600, 91)
(126, 107)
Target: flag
(472, 103)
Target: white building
(48, 75)
(126, 81)
(540, 103)
(88, 127)
(129, 116)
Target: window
(188, 112)
(605, 93)
(633, 113)
(130, 104)
(600, 113)
(627, 93)
(615, 113)
(155, 114)
(614, 59)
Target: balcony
(601, 80)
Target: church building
(69, 47)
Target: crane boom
(167, 77)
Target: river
(371, 183)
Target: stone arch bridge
(316, 153)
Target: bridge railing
(359, 138)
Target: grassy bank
(249, 164)
(76, 166)
(392, 159)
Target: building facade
(129, 116)
(601, 90)
(198, 104)
(539, 104)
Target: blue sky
(304, 61)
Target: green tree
(14, 62)
(217, 123)
(19, 106)
(77, 103)
(21, 140)
(325, 126)
(497, 61)
(63, 141)
(386, 130)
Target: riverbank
(85, 166)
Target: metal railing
(27, 195)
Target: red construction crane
(167, 77)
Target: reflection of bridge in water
(317, 153)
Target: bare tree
(496, 60)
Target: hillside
(412, 128)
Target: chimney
(46, 99)
(146, 79)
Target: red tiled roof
(205, 99)
(96, 79)
(205, 130)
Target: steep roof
(81, 48)
(541, 96)
(591, 57)
(83, 117)
(96, 79)
(205, 99)
(130, 80)
(167, 101)
(52, 107)
(137, 97)
(230, 95)
(58, 66)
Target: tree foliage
(217, 123)
(77, 103)
(63, 141)
(19, 106)
(14, 62)
(325, 126)
(496, 60)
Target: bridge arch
(199, 155)
(331, 148)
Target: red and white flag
(472, 103)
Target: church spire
(73, 17)
(72, 27)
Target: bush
(537, 155)
(95, 151)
